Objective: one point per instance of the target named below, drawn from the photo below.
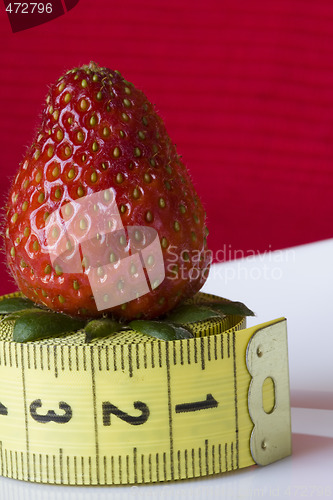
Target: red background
(245, 88)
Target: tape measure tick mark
(25, 411)
(169, 409)
(93, 383)
(235, 397)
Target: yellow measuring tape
(129, 409)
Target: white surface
(297, 284)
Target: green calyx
(189, 313)
(12, 304)
(102, 327)
(160, 330)
(34, 323)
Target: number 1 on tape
(129, 410)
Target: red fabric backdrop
(245, 88)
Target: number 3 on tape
(130, 409)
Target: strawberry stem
(93, 66)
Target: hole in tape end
(268, 395)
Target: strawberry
(98, 133)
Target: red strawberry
(99, 132)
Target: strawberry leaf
(189, 313)
(182, 333)
(37, 324)
(17, 314)
(160, 330)
(230, 308)
(12, 304)
(103, 327)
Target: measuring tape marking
(235, 397)
(127, 411)
(32, 415)
(201, 348)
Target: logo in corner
(25, 15)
